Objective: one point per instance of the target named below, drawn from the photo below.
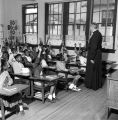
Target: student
(61, 66)
(5, 81)
(27, 55)
(38, 71)
(17, 68)
(11, 55)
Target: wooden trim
(46, 19)
(89, 19)
(65, 20)
(114, 24)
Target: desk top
(45, 78)
(114, 75)
(14, 89)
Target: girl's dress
(5, 81)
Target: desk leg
(43, 92)
(66, 76)
(109, 113)
(31, 90)
(2, 109)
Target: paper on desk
(51, 76)
(10, 89)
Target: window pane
(27, 19)
(35, 28)
(51, 19)
(96, 17)
(35, 18)
(78, 7)
(71, 18)
(104, 5)
(82, 30)
(55, 30)
(56, 21)
(60, 8)
(83, 18)
(71, 8)
(78, 19)
(31, 18)
(77, 30)
(70, 30)
(27, 29)
(31, 10)
(59, 30)
(51, 9)
(60, 19)
(83, 6)
(96, 5)
(55, 8)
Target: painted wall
(13, 10)
(1, 11)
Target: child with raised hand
(5, 81)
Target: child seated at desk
(38, 71)
(5, 81)
(61, 66)
(17, 68)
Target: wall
(1, 12)
(13, 10)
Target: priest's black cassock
(93, 78)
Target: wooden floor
(83, 105)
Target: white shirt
(83, 60)
(5, 79)
(17, 67)
(11, 59)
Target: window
(66, 21)
(109, 15)
(103, 14)
(77, 20)
(55, 20)
(30, 24)
(70, 21)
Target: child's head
(26, 52)
(13, 50)
(5, 56)
(18, 58)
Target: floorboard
(83, 105)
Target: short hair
(18, 55)
(95, 25)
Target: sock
(53, 95)
(21, 107)
(50, 96)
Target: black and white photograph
(58, 59)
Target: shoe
(25, 106)
(50, 97)
(76, 89)
(71, 86)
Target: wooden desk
(43, 79)
(112, 91)
(82, 73)
(17, 88)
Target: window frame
(113, 24)
(24, 7)
(88, 22)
